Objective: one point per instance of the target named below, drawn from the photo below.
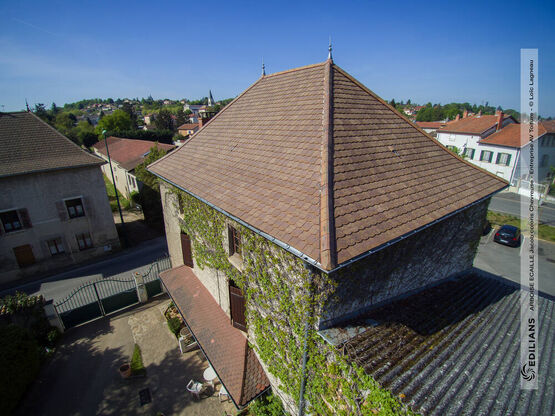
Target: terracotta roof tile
(472, 124)
(28, 144)
(510, 135)
(344, 175)
(226, 347)
(129, 152)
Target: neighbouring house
(431, 127)
(54, 210)
(464, 134)
(282, 236)
(126, 155)
(496, 146)
(188, 129)
(149, 119)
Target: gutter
(310, 260)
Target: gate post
(141, 288)
(53, 316)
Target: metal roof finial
(263, 67)
(329, 51)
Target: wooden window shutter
(237, 305)
(24, 217)
(24, 255)
(88, 206)
(186, 250)
(62, 210)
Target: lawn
(545, 232)
(110, 190)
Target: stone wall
(427, 257)
(41, 194)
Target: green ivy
(285, 295)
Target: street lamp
(115, 189)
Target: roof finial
(263, 67)
(27, 105)
(329, 51)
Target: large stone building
(54, 210)
(285, 236)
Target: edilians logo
(527, 373)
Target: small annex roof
(188, 126)
(509, 136)
(28, 145)
(129, 152)
(472, 124)
(323, 166)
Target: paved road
(122, 264)
(504, 261)
(509, 203)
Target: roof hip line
(328, 257)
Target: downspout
(309, 314)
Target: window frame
(58, 244)
(73, 206)
(499, 155)
(465, 153)
(12, 222)
(483, 152)
(234, 237)
(83, 237)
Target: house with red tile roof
(126, 155)
(283, 236)
(494, 143)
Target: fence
(102, 297)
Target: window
(503, 159)
(55, 246)
(84, 241)
(469, 153)
(75, 208)
(234, 241)
(486, 156)
(11, 221)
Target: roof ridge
(100, 160)
(328, 253)
(398, 114)
(295, 69)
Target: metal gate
(101, 297)
(152, 277)
(95, 299)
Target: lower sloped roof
(455, 349)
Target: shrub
(137, 366)
(53, 336)
(268, 405)
(175, 325)
(19, 361)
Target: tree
(40, 111)
(86, 134)
(392, 102)
(181, 117)
(164, 120)
(118, 121)
(149, 195)
(128, 108)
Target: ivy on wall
(281, 294)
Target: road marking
(522, 244)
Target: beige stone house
(287, 237)
(54, 210)
(126, 155)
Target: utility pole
(123, 235)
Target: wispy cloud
(23, 22)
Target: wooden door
(237, 303)
(186, 250)
(24, 255)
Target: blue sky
(426, 51)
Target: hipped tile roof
(472, 125)
(509, 135)
(129, 152)
(316, 160)
(28, 144)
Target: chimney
(458, 117)
(500, 117)
(465, 114)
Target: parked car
(509, 235)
